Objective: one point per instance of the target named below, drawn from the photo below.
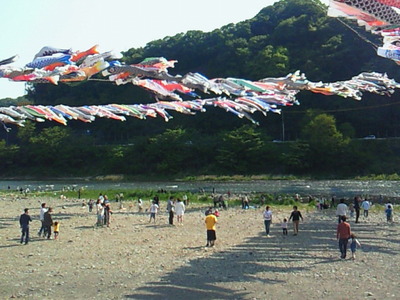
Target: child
(351, 209)
(153, 211)
(56, 228)
(354, 243)
(389, 213)
(284, 227)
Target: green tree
(240, 149)
(327, 144)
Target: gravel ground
(133, 259)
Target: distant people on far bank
(295, 216)
(341, 210)
(24, 221)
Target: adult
(43, 209)
(171, 210)
(343, 233)
(366, 205)
(48, 222)
(107, 214)
(341, 210)
(24, 220)
(267, 220)
(100, 212)
(295, 216)
(356, 204)
(211, 221)
(179, 211)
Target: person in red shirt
(343, 234)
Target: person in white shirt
(366, 205)
(179, 211)
(267, 220)
(341, 210)
(42, 229)
(153, 211)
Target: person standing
(171, 210)
(295, 216)
(153, 211)
(211, 221)
(48, 222)
(107, 214)
(179, 211)
(24, 220)
(341, 210)
(365, 206)
(343, 234)
(43, 209)
(267, 220)
(356, 204)
(99, 212)
(56, 229)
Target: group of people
(46, 224)
(103, 210)
(295, 216)
(174, 207)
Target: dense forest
(323, 136)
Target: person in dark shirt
(357, 207)
(48, 222)
(24, 220)
(295, 216)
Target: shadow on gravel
(254, 261)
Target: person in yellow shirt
(56, 229)
(210, 221)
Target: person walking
(354, 243)
(343, 234)
(341, 210)
(366, 205)
(24, 220)
(171, 210)
(356, 204)
(267, 215)
(295, 216)
(48, 222)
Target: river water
(339, 188)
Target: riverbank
(133, 259)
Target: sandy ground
(136, 260)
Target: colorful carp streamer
(238, 96)
(379, 16)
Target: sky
(113, 25)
